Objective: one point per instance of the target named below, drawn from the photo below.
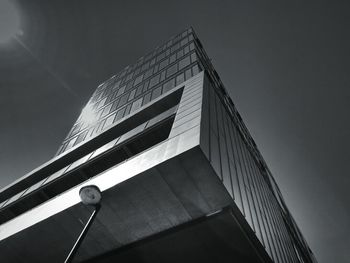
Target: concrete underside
(156, 216)
(217, 238)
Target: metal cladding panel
(189, 109)
(235, 165)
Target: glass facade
(151, 76)
(230, 148)
(224, 140)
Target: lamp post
(90, 195)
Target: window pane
(120, 91)
(116, 85)
(154, 81)
(145, 86)
(187, 49)
(171, 70)
(138, 80)
(192, 46)
(172, 58)
(175, 47)
(123, 100)
(128, 77)
(136, 104)
(146, 98)
(139, 90)
(195, 69)
(163, 64)
(169, 85)
(161, 56)
(127, 110)
(156, 68)
(71, 142)
(101, 103)
(162, 76)
(193, 57)
(184, 62)
(129, 85)
(180, 53)
(156, 92)
(184, 41)
(137, 71)
(81, 137)
(188, 74)
(109, 121)
(180, 78)
(106, 110)
(148, 73)
(120, 114)
(132, 94)
(145, 66)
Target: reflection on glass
(88, 115)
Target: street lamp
(91, 196)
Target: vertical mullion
(224, 120)
(240, 175)
(218, 135)
(266, 215)
(240, 158)
(276, 221)
(230, 147)
(268, 207)
(265, 218)
(238, 171)
(277, 212)
(244, 158)
(257, 207)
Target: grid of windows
(126, 145)
(151, 76)
(229, 146)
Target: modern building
(181, 178)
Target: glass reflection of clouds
(88, 116)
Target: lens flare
(9, 21)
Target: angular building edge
(201, 117)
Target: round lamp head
(90, 195)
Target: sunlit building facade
(182, 180)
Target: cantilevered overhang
(183, 135)
(167, 196)
(160, 195)
(83, 162)
(214, 238)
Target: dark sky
(286, 66)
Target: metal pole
(82, 235)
